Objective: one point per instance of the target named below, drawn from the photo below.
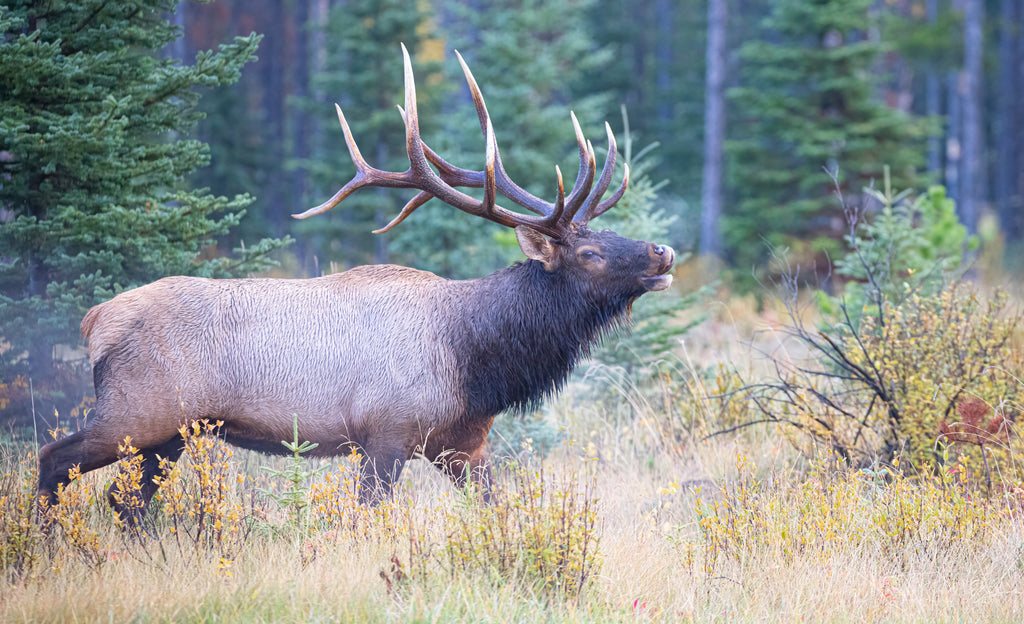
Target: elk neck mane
(523, 331)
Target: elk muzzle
(662, 257)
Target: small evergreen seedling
(295, 497)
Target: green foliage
(539, 534)
(200, 500)
(836, 513)
(911, 245)
(807, 101)
(202, 516)
(907, 361)
(93, 138)
(21, 546)
(904, 384)
(935, 363)
(927, 351)
(126, 490)
(296, 475)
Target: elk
(391, 360)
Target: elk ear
(536, 246)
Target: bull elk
(389, 359)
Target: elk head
(557, 234)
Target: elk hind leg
(57, 458)
(131, 506)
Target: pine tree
(93, 151)
(808, 102)
(657, 70)
(362, 73)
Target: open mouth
(660, 280)
(656, 282)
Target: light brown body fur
(361, 358)
(254, 352)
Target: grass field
(634, 516)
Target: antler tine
(589, 207)
(490, 156)
(505, 184)
(474, 90)
(413, 143)
(556, 216)
(361, 179)
(433, 185)
(552, 220)
(585, 176)
(420, 174)
(616, 196)
(370, 176)
(452, 175)
(421, 198)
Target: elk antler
(581, 205)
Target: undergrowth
(538, 534)
(831, 514)
(542, 541)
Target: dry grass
(737, 528)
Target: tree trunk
(954, 150)
(1007, 192)
(1014, 226)
(300, 88)
(972, 186)
(932, 98)
(177, 48)
(714, 130)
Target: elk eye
(588, 254)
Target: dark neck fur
(521, 333)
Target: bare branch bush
(894, 363)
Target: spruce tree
(94, 149)
(808, 102)
(529, 58)
(362, 72)
(657, 71)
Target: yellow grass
(652, 566)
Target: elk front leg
(379, 471)
(462, 455)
